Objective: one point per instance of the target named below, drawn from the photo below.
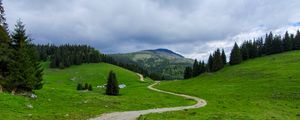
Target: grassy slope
(60, 100)
(265, 88)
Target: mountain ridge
(166, 63)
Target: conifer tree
(245, 51)
(260, 47)
(25, 71)
(112, 86)
(269, 44)
(5, 49)
(210, 63)
(297, 40)
(277, 45)
(287, 43)
(224, 57)
(188, 73)
(235, 55)
(203, 67)
(217, 61)
(196, 68)
(5, 58)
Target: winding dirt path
(133, 115)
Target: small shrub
(86, 86)
(90, 88)
(79, 87)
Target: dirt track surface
(133, 115)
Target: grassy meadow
(59, 98)
(266, 88)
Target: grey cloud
(112, 26)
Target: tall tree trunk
(14, 91)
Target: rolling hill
(162, 61)
(266, 88)
(60, 100)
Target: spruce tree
(5, 58)
(188, 73)
(245, 51)
(260, 47)
(277, 45)
(112, 86)
(203, 67)
(224, 57)
(196, 68)
(210, 63)
(25, 70)
(269, 44)
(287, 43)
(5, 49)
(217, 61)
(235, 55)
(297, 40)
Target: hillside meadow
(60, 100)
(266, 88)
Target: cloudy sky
(193, 28)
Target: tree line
(64, 56)
(271, 44)
(249, 49)
(19, 66)
(216, 61)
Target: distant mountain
(165, 62)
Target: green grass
(266, 88)
(59, 98)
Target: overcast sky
(193, 28)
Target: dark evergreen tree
(245, 51)
(25, 71)
(235, 55)
(5, 58)
(277, 45)
(287, 42)
(269, 44)
(203, 67)
(210, 63)
(112, 86)
(260, 47)
(188, 73)
(217, 61)
(196, 69)
(297, 41)
(224, 57)
(253, 49)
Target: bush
(79, 87)
(86, 86)
(90, 88)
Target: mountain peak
(166, 51)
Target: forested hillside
(162, 64)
